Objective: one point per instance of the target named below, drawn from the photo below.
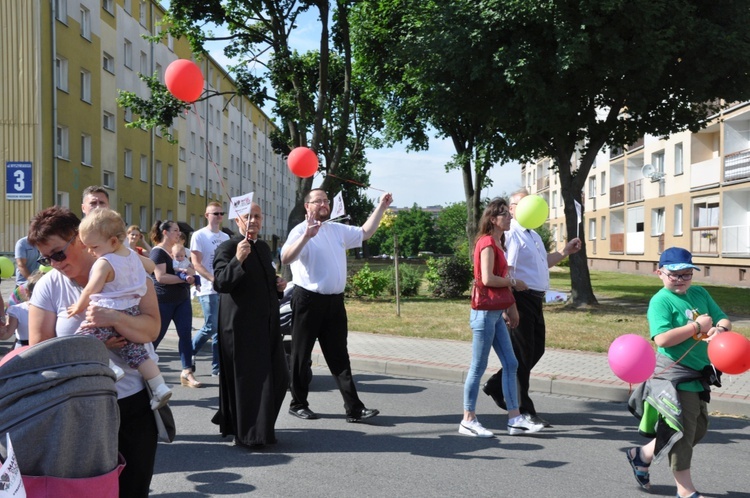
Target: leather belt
(535, 293)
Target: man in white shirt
(316, 250)
(528, 261)
(203, 244)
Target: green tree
(566, 77)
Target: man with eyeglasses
(203, 245)
(316, 250)
(529, 262)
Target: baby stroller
(59, 404)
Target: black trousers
(528, 345)
(137, 440)
(321, 317)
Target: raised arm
(373, 221)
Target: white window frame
(679, 159)
(128, 115)
(592, 228)
(128, 163)
(108, 63)
(592, 187)
(143, 63)
(142, 13)
(657, 221)
(157, 173)
(657, 161)
(127, 59)
(61, 73)
(144, 168)
(182, 197)
(109, 6)
(603, 182)
(128, 6)
(679, 220)
(108, 179)
(86, 153)
(143, 214)
(86, 86)
(62, 147)
(61, 11)
(603, 228)
(108, 121)
(85, 23)
(128, 214)
(170, 176)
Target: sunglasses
(220, 213)
(58, 256)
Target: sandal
(188, 380)
(640, 468)
(694, 495)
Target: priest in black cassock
(253, 376)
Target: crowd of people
(107, 281)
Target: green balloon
(531, 212)
(7, 269)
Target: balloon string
(355, 183)
(678, 360)
(216, 166)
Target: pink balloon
(184, 80)
(632, 358)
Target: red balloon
(730, 352)
(303, 162)
(184, 80)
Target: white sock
(155, 382)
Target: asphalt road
(413, 448)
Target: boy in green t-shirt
(678, 316)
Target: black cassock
(254, 374)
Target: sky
(412, 177)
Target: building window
(108, 63)
(108, 179)
(706, 213)
(157, 213)
(86, 149)
(128, 54)
(85, 86)
(192, 142)
(592, 187)
(128, 163)
(678, 165)
(143, 217)
(85, 23)
(170, 214)
(61, 11)
(192, 183)
(142, 13)
(128, 218)
(678, 219)
(604, 228)
(127, 4)
(144, 64)
(657, 161)
(159, 73)
(109, 6)
(157, 173)
(170, 176)
(182, 197)
(61, 73)
(144, 168)
(182, 154)
(603, 189)
(61, 143)
(108, 121)
(657, 221)
(128, 115)
(170, 42)
(592, 229)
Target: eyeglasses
(324, 202)
(58, 256)
(673, 277)
(220, 213)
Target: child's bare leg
(684, 482)
(149, 369)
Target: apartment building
(690, 190)
(63, 63)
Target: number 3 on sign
(18, 180)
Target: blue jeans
(489, 331)
(181, 313)
(210, 329)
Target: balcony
(737, 166)
(705, 241)
(635, 190)
(542, 183)
(617, 195)
(735, 240)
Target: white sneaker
(523, 425)
(474, 428)
(160, 396)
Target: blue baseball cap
(677, 258)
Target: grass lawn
(623, 302)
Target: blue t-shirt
(26, 251)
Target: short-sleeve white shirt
(321, 265)
(527, 256)
(205, 242)
(55, 292)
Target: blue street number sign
(18, 181)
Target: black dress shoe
(496, 397)
(538, 420)
(361, 414)
(303, 413)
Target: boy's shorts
(695, 426)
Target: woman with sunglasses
(54, 231)
(173, 294)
